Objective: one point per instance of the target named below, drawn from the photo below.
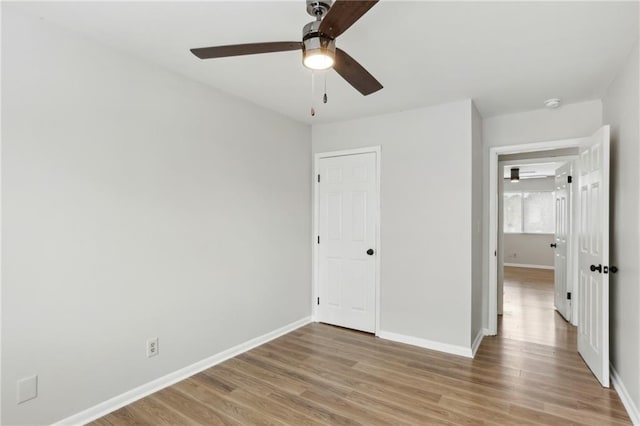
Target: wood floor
(324, 375)
(528, 313)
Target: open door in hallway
(593, 254)
(561, 242)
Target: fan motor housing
(317, 42)
(313, 40)
(310, 30)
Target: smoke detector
(552, 103)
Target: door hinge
(569, 296)
(569, 179)
(318, 178)
(495, 252)
(318, 239)
(318, 301)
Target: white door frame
(494, 152)
(316, 224)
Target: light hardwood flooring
(528, 313)
(322, 375)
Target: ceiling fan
(318, 45)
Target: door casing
(493, 248)
(316, 228)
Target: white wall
(569, 121)
(426, 216)
(529, 249)
(621, 110)
(477, 254)
(136, 204)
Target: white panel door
(561, 243)
(593, 254)
(347, 217)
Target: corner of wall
(477, 225)
(626, 399)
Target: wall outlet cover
(27, 389)
(152, 347)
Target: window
(513, 212)
(529, 212)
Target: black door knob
(613, 269)
(553, 245)
(370, 252)
(596, 268)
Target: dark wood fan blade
(342, 15)
(245, 49)
(355, 74)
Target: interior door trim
(315, 228)
(490, 305)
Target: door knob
(370, 252)
(596, 268)
(553, 245)
(613, 269)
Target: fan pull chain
(324, 98)
(313, 110)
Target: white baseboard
(527, 265)
(632, 409)
(476, 343)
(427, 344)
(132, 395)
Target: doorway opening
(587, 241)
(535, 239)
(499, 158)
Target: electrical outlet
(152, 347)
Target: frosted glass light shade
(318, 61)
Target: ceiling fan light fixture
(318, 53)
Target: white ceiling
(528, 171)
(507, 56)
